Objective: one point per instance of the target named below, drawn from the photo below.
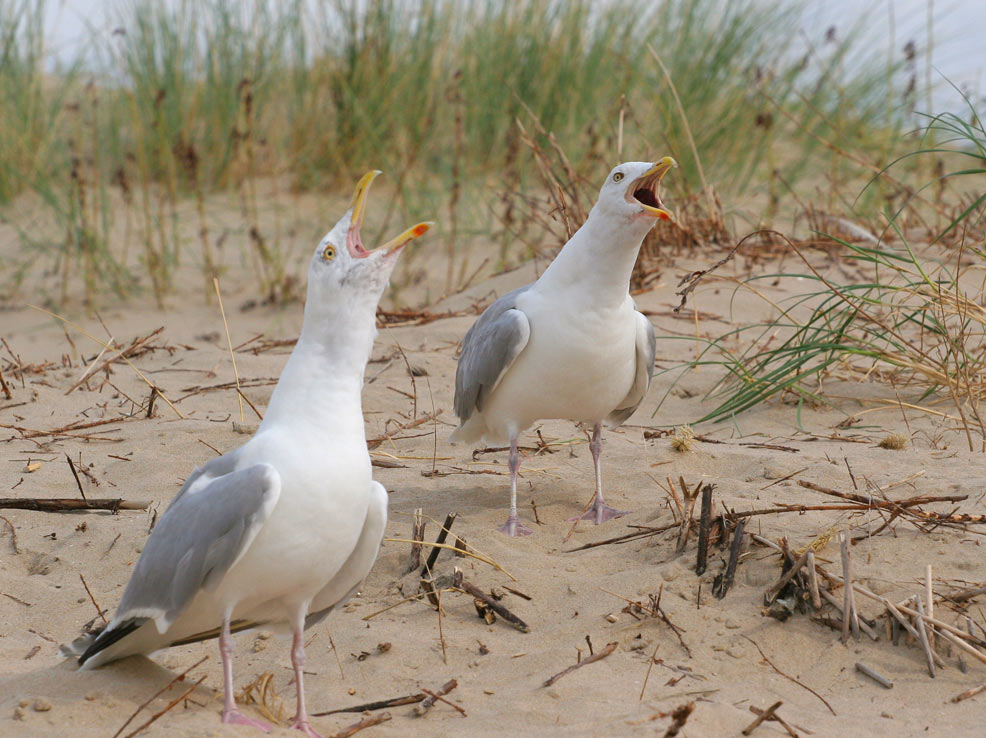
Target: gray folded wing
(646, 350)
(488, 350)
(200, 537)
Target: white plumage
(572, 344)
(283, 529)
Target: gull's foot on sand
(235, 717)
(305, 727)
(600, 512)
(513, 527)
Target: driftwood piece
(875, 676)
(703, 529)
(734, 553)
(69, 504)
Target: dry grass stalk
(261, 692)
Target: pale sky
(959, 50)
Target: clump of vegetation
(893, 442)
(683, 439)
(906, 309)
(260, 100)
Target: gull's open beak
(644, 189)
(354, 241)
(396, 244)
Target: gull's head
(631, 192)
(344, 275)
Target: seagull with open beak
(572, 345)
(283, 529)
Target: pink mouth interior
(354, 242)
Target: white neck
(320, 386)
(598, 260)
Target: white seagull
(572, 344)
(286, 527)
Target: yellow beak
(354, 242)
(649, 181)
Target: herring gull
(284, 528)
(572, 345)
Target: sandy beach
(727, 656)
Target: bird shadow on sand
(120, 688)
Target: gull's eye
(330, 253)
(618, 176)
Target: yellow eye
(618, 176)
(330, 253)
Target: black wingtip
(108, 637)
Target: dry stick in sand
(364, 723)
(765, 715)
(13, 534)
(777, 719)
(771, 594)
(447, 702)
(816, 600)
(875, 676)
(6, 389)
(610, 647)
(120, 354)
(788, 676)
(863, 625)
(418, 536)
(848, 610)
(734, 553)
(427, 702)
(78, 482)
(157, 694)
(930, 601)
(229, 342)
(95, 604)
(459, 583)
(969, 693)
(410, 699)
(686, 521)
(650, 665)
(439, 540)
(923, 633)
(703, 529)
(69, 504)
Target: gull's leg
(298, 662)
(230, 712)
(513, 526)
(600, 512)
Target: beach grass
(182, 100)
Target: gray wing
(646, 348)
(488, 350)
(357, 567)
(200, 537)
(211, 469)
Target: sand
(574, 596)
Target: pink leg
(298, 661)
(600, 512)
(231, 714)
(513, 526)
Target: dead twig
(95, 604)
(422, 708)
(157, 694)
(788, 676)
(69, 504)
(765, 715)
(410, 699)
(875, 676)
(610, 647)
(460, 583)
(364, 723)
